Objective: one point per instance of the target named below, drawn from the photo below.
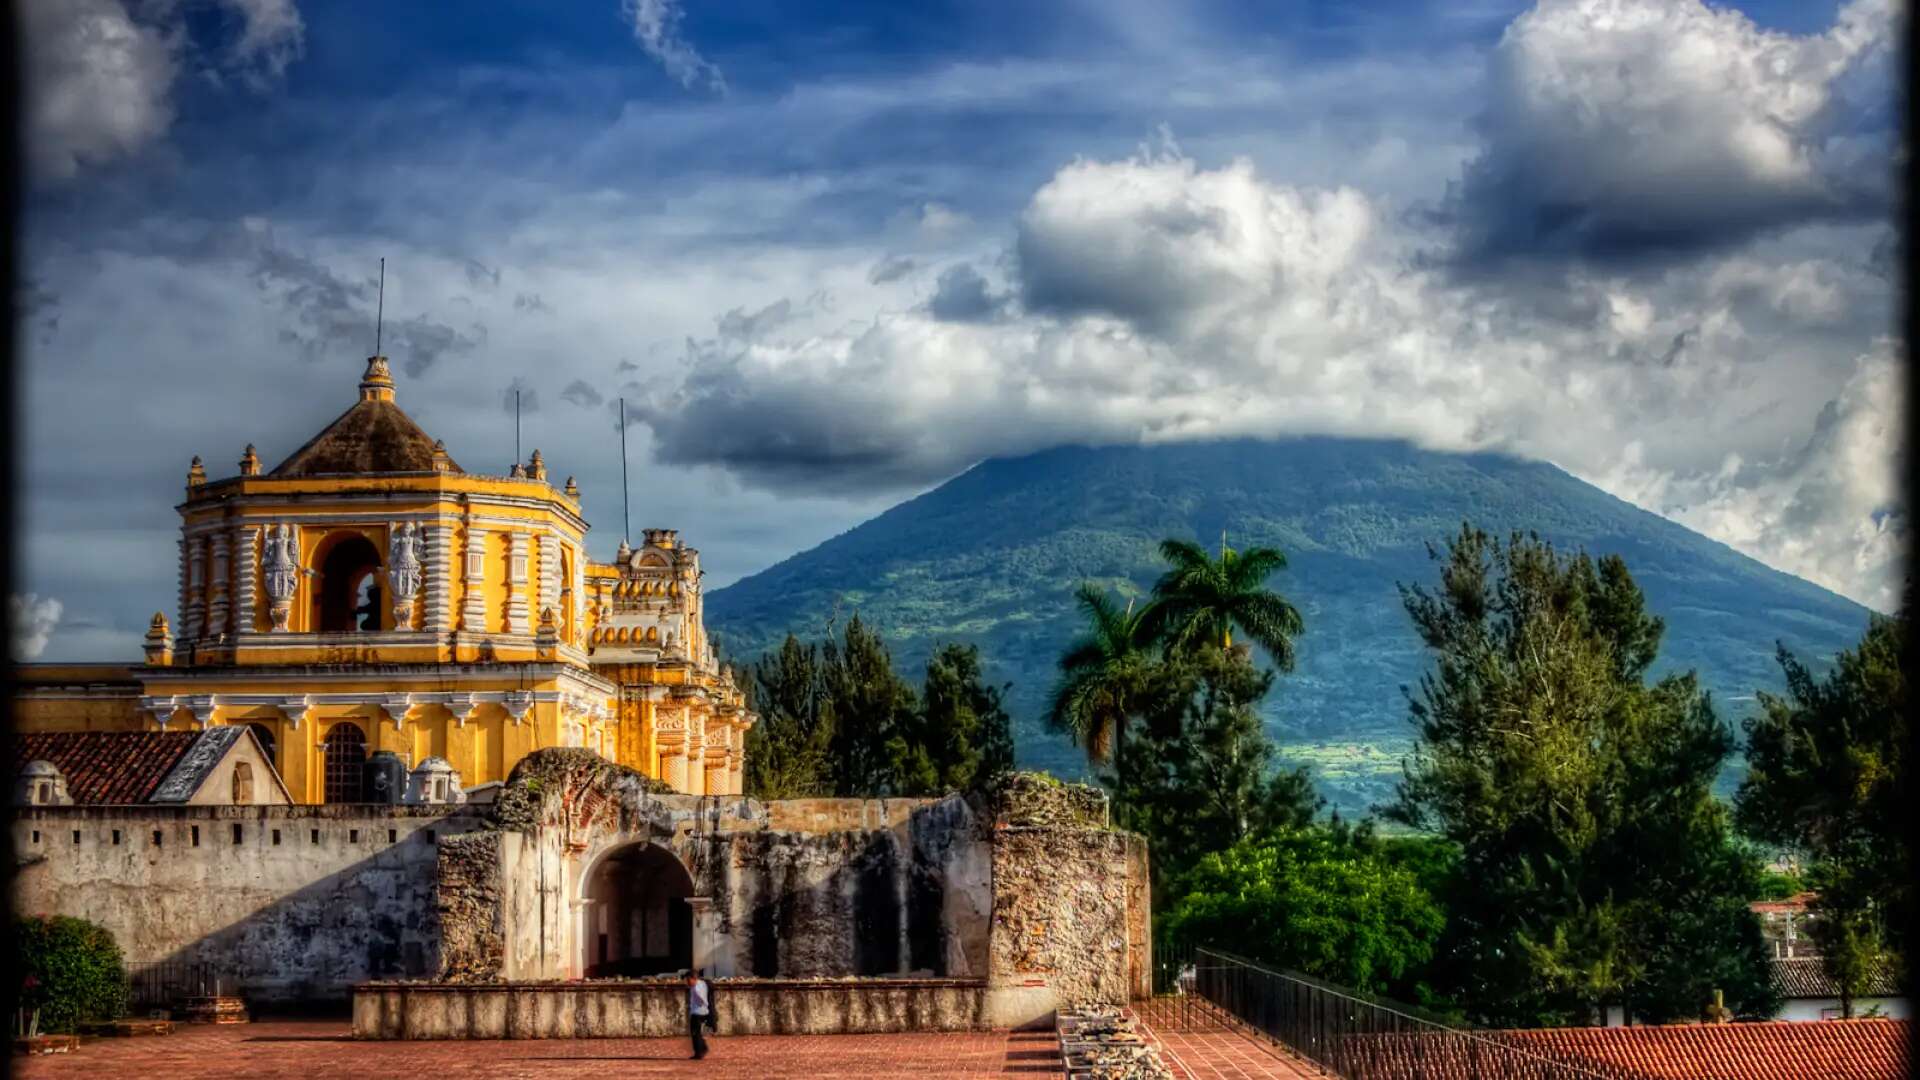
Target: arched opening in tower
(638, 921)
(349, 593)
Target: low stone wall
(657, 1008)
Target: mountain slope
(992, 557)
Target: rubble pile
(1100, 1042)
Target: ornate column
(196, 613)
(670, 737)
(519, 620)
(473, 613)
(579, 587)
(439, 587)
(716, 765)
(186, 589)
(246, 588)
(549, 573)
(217, 586)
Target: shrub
(69, 969)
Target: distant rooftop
(1775, 1050)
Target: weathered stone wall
(472, 922)
(1065, 925)
(307, 902)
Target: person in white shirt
(699, 1007)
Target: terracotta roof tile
(1776, 1050)
(106, 766)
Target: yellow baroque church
(370, 595)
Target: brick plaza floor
(322, 1050)
(1200, 1043)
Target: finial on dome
(572, 489)
(250, 462)
(159, 642)
(196, 473)
(537, 466)
(377, 383)
(441, 462)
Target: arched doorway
(345, 757)
(349, 593)
(637, 920)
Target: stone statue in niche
(282, 572)
(403, 571)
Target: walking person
(699, 1007)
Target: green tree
(788, 750)
(69, 969)
(1322, 900)
(963, 740)
(1830, 779)
(1102, 676)
(869, 707)
(1202, 600)
(1596, 867)
(1201, 776)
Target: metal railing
(1354, 1037)
(164, 984)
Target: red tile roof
(106, 766)
(1776, 1050)
(1792, 905)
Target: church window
(265, 735)
(349, 593)
(345, 754)
(242, 783)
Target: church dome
(372, 437)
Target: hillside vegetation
(992, 557)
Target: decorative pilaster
(519, 614)
(550, 571)
(473, 613)
(196, 613)
(439, 587)
(186, 588)
(246, 588)
(217, 587)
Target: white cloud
(656, 26)
(34, 620)
(100, 73)
(1619, 126)
(1166, 301)
(96, 83)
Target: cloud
(656, 26)
(1829, 510)
(962, 295)
(34, 620)
(1617, 128)
(530, 302)
(528, 398)
(1163, 301)
(480, 275)
(1168, 247)
(741, 325)
(97, 83)
(891, 268)
(100, 74)
(582, 395)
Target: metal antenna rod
(380, 316)
(626, 508)
(516, 425)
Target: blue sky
(835, 253)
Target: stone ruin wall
(1034, 896)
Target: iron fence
(1351, 1036)
(164, 984)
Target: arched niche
(347, 595)
(636, 919)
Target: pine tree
(869, 706)
(787, 750)
(962, 739)
(1596, 865)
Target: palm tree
(1201, 599)
(1100, 676)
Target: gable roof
(106, 766)
(373, 436)
(1774, 1050)
(1804, 977)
